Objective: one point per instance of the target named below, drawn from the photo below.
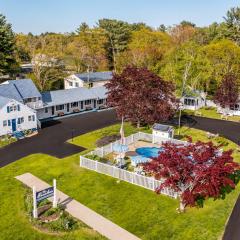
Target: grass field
(140, 211)
(212, 113)
(5, 142)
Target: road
(52, 137)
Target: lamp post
(72, 134)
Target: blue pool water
(149, 152)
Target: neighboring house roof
(58, 97)
(161, 127)
(4, 101)
(94, 76)
(19, 89)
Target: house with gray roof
(22, 105)
(88, 80)
(69, 101)
(193, 100)
(22, 90)
(15, 116)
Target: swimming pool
(149, 152)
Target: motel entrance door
(14, 126)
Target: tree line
(201, 55)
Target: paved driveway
(53, 136)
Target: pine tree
(8, 62)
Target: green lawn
(4, 142)
(212, 113)
(142, 212)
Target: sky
(39, 16)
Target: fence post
(54, 193)
(80, 161)
(96, 164)
(35, 211)
(102, 152)
(111, 145)
(132, 138)
(153, 184)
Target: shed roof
(94, 76)
(161, 127)
(58, 97)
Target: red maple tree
(196, 171)
(227, 93)
(141, 96)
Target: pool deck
(139, 144)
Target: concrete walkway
(81, 212)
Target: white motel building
(23, 107)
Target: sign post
(44, 194)
(54, 193)
(35, 213)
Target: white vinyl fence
(146, 182)
(132, 139)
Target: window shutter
(8, 109)
(18, 107)
(9, 123)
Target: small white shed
(162, 131)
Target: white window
(88, 102)
(100, 101)
(70, 84)
(74, 104)
(76, 84)
(59, 107)
(46, 110)
(31, 118)
(4, 123)
(20, 120)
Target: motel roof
(19, 89)
(59, 97)
(94, 76)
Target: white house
(22, 90)
(162, 131)
(193, 100)
(233, 110)
(88, 80)
(68, 101)
(15, 116)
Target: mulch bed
(106, 140)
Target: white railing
(146, 182)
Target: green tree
(86, 51)
(187, 63)
(147, 48)
(82, 28)
(8, 63)
(232, 21)
(118, 36)
(224, 58)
